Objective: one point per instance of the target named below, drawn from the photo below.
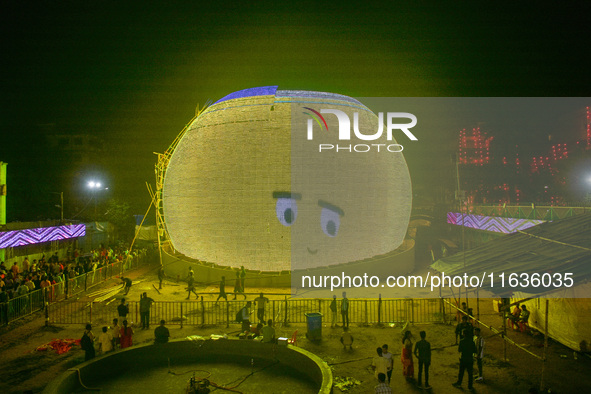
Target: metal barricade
(66, 288)
(212, 313)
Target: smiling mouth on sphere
(312, 251)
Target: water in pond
(267, 377)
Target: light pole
(61, 206)
(95, 186)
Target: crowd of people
(111, 338)
(519, 317)
(383, 362)
(263, 330)
(121, 336)
(21, 279)
(470, 348)
(56, 269)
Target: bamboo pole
(142, 223)
(504, 336)
(477, 304)
(545, 346)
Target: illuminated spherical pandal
(245, 186)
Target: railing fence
(212, 313)
(36, 300)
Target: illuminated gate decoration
(491, 223)
(245, 186)
(10, 239)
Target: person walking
(479, 342)
(191, 286)
(423, 354)
(222, 290)
(161, 276)
(388, 356)
(243, 279)
(345, 310)
(238, 286)
(466, 348)
(126, 284)
(333, 311)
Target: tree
(118, 213)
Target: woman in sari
(126, 335)
(406, 357)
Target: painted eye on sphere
(330, 222)
(286, 210)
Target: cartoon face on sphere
(254, 182)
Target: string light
(475, 146)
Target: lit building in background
(494, 174)
(474, 147)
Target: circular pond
(242, 365)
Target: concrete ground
(22, 368)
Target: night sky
(132, 73)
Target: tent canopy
(561, 246)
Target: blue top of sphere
(272, 91)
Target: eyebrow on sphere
(332, 207)
(296, 196)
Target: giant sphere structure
(248, 184)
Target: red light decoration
(474, 148)
(588, 127)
